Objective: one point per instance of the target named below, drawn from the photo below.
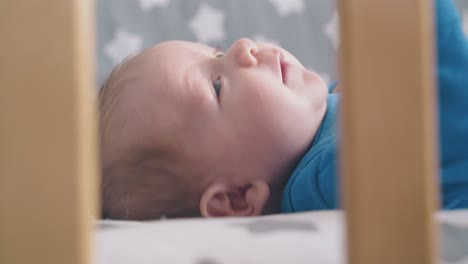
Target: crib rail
(47, 135)
(389, 156)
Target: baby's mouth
(282, 65)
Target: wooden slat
(47, 131)
(389, 151)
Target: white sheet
(313, 237)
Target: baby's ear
(223, 199)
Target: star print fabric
(307, 28)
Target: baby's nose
(244, 51)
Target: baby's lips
(284, 69)
(280, 66)
(288, 71)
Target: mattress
(312, 237)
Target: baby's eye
(219, 54)
(217, 86)
(217, 82)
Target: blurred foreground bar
(48, 132)
(389, 143)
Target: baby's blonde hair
(137, 183)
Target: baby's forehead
(164, 75)
(179, 48)
(172, 62)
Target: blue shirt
(313, 183)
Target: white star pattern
(208, 24)
(123, 45)
(465, 23)
(261, 38)
(287, 7)
(147, 5)
(332, 30)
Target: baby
(187, 130)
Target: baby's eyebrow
(191, 74)
(217, 49)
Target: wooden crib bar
(389, 151)
(47, 135)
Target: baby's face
(249, 113)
